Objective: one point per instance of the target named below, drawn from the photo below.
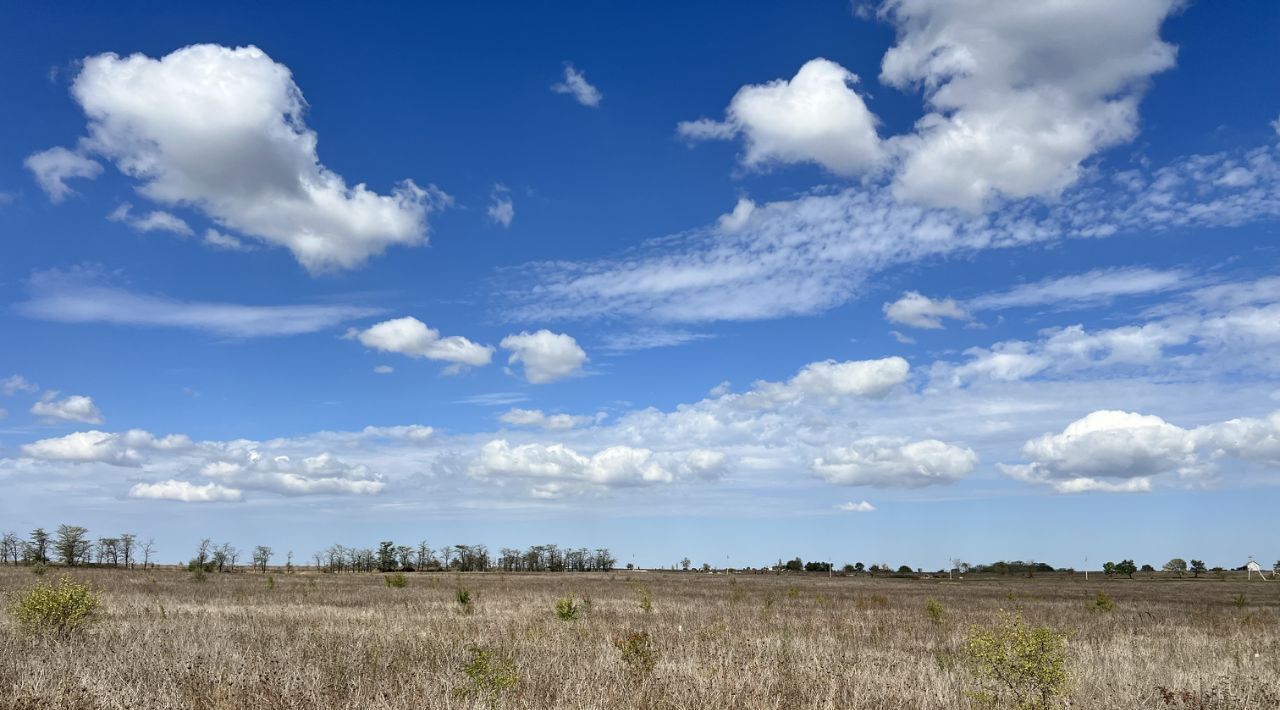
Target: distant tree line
(71, 545)
(390, 557)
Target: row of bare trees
(72, 546)
(389, 557)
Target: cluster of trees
(390, 557)
(72, 546)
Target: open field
(314, 640)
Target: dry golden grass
(741, 641)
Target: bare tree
(225, 557)
(147, 548)
(128, 541)
(203, 552)
(10, 547)
(288, 562)
(261, 556)
(424, 556)
(109, 551)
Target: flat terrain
(315, 640)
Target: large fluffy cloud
(546, 356)
(1109, 451)
(322, 474)
(895, 463)
(815, 117)
(222, 130)
(555, 469)
(410, 336)
(1020, 93)
(124, 449)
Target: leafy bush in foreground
(1020, 666)
(63, 608)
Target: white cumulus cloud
(919, 311)
(184, 491)
(816, 117)
(1019, 94)
(117, 449)
(540, 419)
(546, 356)
(76, 408)
(222, 130)
(1107, 450)
(410, 336)
(888, 462)
(829, 379)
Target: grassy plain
(310, 640)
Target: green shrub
(63, 608)
(566, 609)
(638, 652)
(198, 574)
(271, 581)
(934, 611)
(489, 675)
(1019, 666)
(39, 568)
(1239, 601)
(646, 599)
(396, 581)
(466, 603)
(1103, 603)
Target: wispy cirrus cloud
(87, 295)
(812, 253)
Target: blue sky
(883, 283)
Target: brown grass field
(310, 640)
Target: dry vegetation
(309, 640)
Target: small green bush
(567, 609)
(271, 581)
(64, 608)
(489, 674)
(646, 599)
(1019, 666)
(1103, 603)
(396, 581)
(465, 601)
(638, 652)
(39, 568)
(934, 611)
